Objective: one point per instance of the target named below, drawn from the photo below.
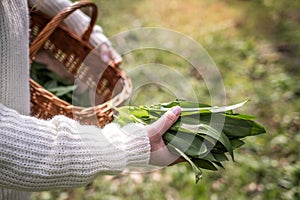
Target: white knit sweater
(40, 155)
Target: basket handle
(58, 19)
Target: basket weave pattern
(111, 84)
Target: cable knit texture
(40, 155)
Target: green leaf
(62, 90)
(216, 157)
(218, 135)
(50, 84)
(231, 125)
(196, 169)
(59, 79)
(227, 108)
(242, 116)
(241, 128)
(183, 104)
(219, 164)
(188, 108)
(139, 113)
(205, 164)
(206, 130)
(236, 143)
(190, 144)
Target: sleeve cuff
(133, 140)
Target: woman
(40, 155)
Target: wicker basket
(111, 84)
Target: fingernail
(176, 110)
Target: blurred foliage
(59, 86)
(256, 47)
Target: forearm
(59, 153)
(78, 21)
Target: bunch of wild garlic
(203, 134)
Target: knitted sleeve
(78, 21)
(60, 153)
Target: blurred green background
(256, 46)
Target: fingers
(109, 54)
(104, 53)
(160, 126)
(117, 59)
(160, 155)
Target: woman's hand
(160, 155)
(109, 55)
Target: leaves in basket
(62, 90)
(57, 85)
(49, 80)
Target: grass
(255, 45)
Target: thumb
(159, 127)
